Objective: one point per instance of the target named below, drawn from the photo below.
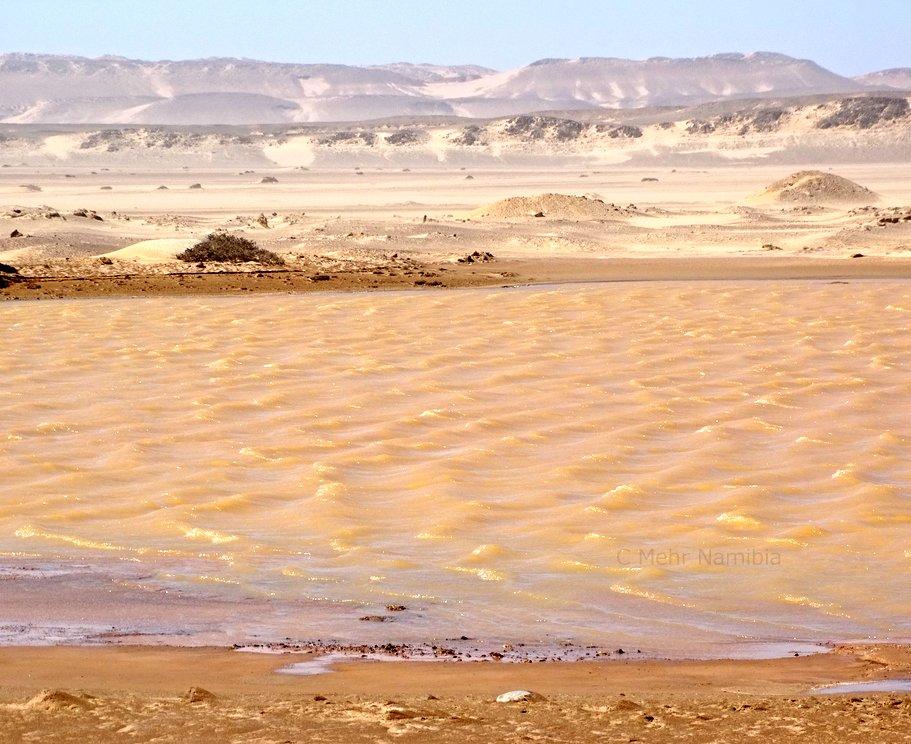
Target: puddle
(318, 665)
(877, 685)
(765, 650)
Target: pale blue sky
(847, 36)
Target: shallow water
(878, 685)
(673, 465)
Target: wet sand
(214, 695)
(500, 273)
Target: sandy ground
(393, 228)
(213, 695)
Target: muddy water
(666, 464)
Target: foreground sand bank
(509, 272)
(136, 693)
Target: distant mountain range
(39, 88)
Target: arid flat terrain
(377, 229)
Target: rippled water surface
(664, 464)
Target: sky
(846, 36)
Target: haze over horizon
(506, 35)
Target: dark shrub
(864, 113)
(404, 137)
(469, 136)
(539, 127)
(697, 126)
(224, 248)
(625, 131)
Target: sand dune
(551, 207)
(152, 251)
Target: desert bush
(225, 248)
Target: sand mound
(815, 187)
(549, 206)
(199, 695)
(153, 251)
(51, 700)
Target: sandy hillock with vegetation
(815, 187)
(225, 248)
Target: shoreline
(102, 694)
(499, 273)
(108, 666)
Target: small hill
(815, 187)
(897, 77)
(551, 207)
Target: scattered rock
(105, 261)
(857, 255)
(770, 247)
(269, 179)
(30, 187)
(162, 188)
(374, 619)
(395, 608)
(477, 257)
(649, 180)
(15, 234)
(262, 220)
(196, 186)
